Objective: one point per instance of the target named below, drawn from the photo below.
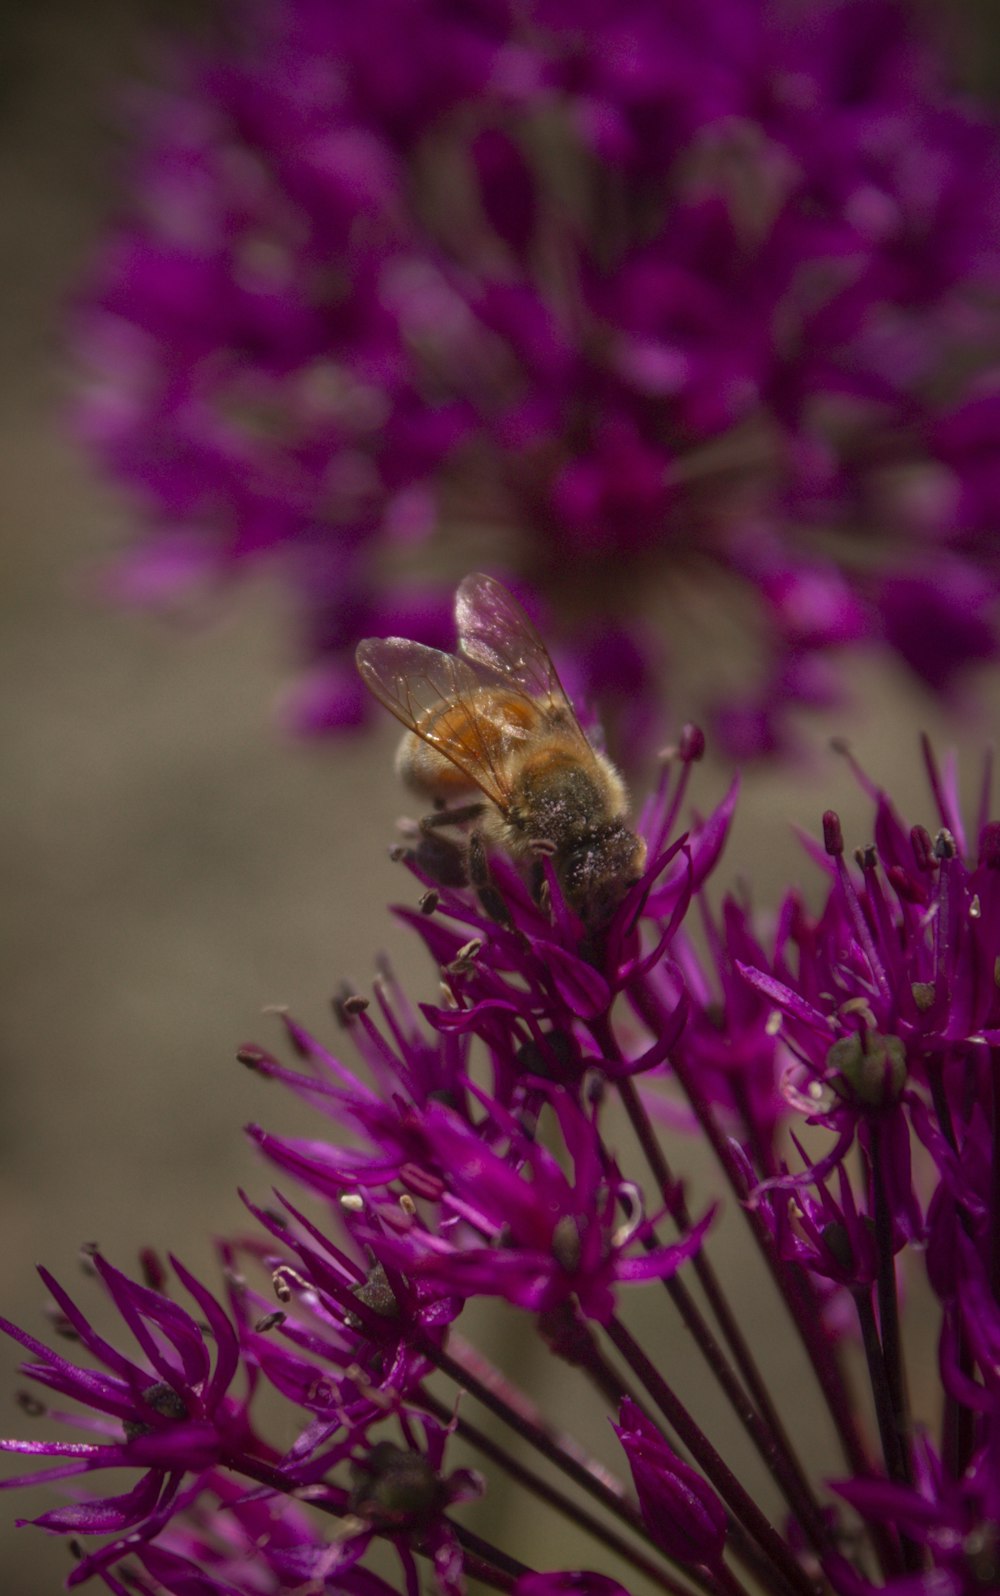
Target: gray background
(169, 864)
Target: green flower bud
(393, 1488)
(869, 1069)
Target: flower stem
(762, 1423)
(729, 1585)
(483, 1561)
(957, 1426)
(486, 1562)
(896, 1433)
(792, 1286)
(939, 1097)
(888, 1312)
(995, 1182)
(470, 1371)
(587, 1355)
(880, 1388)
(575, 1511)
(908, 1553)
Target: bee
(493, 720)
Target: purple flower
(170, 1415)
(514, 1225)
(525, 1140)
(895, 981)
(954, 1521)
(234, 1542)
(666, 295)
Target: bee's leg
(540, 848)
(479, 874)
(444, 859)
(452, 817)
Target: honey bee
(494, 719)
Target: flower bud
(395, 1489)
(681, 1510)
(868, 1069)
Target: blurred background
(170, 864)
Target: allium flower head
(525, 1139)
(622, 297)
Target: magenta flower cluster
(845, 1069)
(621, 297)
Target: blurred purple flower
(679, 315)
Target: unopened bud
(870, 1066)
(681, 1511)
(393, 1489)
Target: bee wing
(495, 632)
(441, 699)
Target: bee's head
(596, 875)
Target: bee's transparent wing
(445, 701)
(495, 633)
